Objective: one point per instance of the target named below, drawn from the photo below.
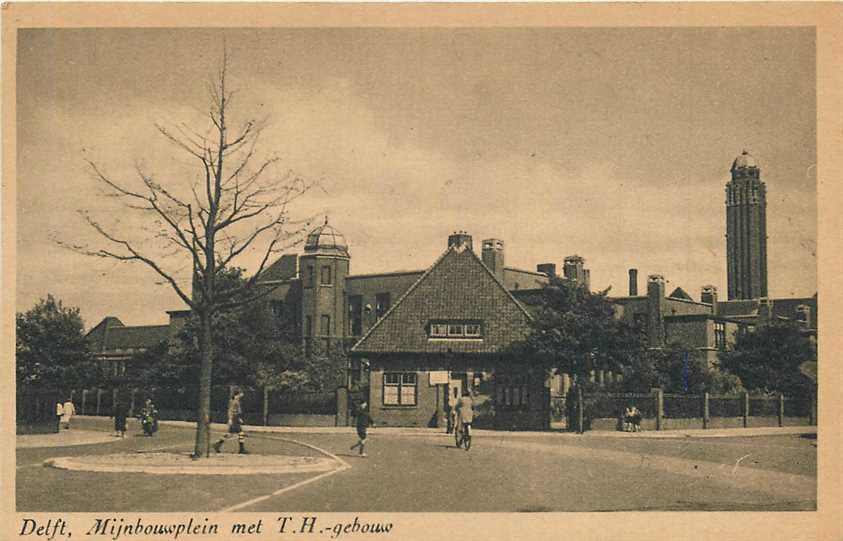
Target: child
(235, 424)
(149, 418)
(364, 421)
(627, 419)
(636, 419)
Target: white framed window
(456, 330)
(399, 388)
(438, 330)
(465, 330)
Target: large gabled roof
(458, 286)
(111, 334)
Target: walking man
(235, 424)
(120, 414)
(364, 421)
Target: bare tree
(239, 202)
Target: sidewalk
(64, 438)
(709, 433)
(411, 431)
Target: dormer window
(455, 330)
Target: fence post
(84, 400)
(706, 412)
(781, 409)
(745, 409)
(658, 396)
(265, 406)
(99, 400)
(342, 407)
(132, 403)
(579, 410)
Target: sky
(610, 143)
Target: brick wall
(368, 286)
(423, 414)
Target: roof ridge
(503, 287)
(452, 248)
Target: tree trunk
(203, 416)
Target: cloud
(395, 198)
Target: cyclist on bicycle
(465, 416)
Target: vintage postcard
(365, 271)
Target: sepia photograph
(412, 269)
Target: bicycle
(462, 435)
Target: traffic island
(170, 463)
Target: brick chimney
(633, 282)
(709, 296)
(460, 238)
(493, 257)
(656, 308)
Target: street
(503, 472)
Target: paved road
(406, 473)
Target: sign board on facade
(438, 377)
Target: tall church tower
(746, 230)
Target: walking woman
(235, 424)
(68, 411)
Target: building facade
(420, 338)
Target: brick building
(115, 344)
(420, 335)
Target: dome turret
(325, 239)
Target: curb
(422, 432)
(183, 465)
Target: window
(465, 330)
(511, 391)
(381, 304)
(399, 388)
(803, 314)
(355, 371)
(720, 335)
(438, 330)
(355, 312)
(308, 276)
(325, 325)
(326, 275)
